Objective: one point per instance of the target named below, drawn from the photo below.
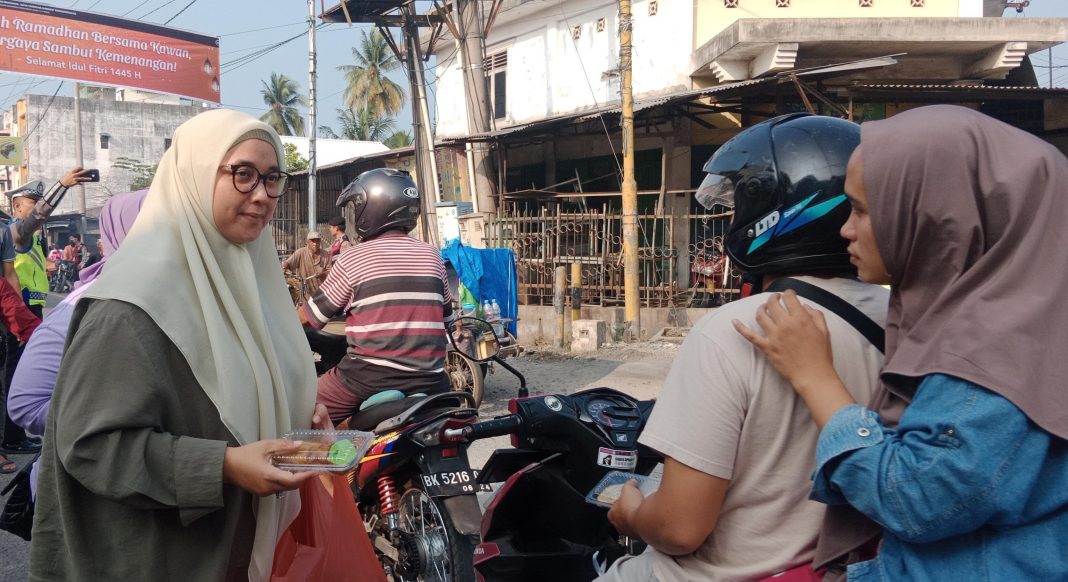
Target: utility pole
(311, 118)
(631, 299)
(425, 164)
(471, 44)
(1049, 57)
(79, 197)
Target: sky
(245, 26)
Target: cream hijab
(225, 306)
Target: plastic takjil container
(607, 491)
(324, 450)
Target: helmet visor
(715, 190)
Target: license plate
(449, 483)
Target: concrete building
(330, 151)
(111, 130)
(703, 70)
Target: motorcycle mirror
(474, 338)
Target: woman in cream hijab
(184, 366)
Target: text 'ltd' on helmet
(382, 199)
(785, 180)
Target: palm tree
(399, 139)
(282, 95)
(368, 85)
(361, 125)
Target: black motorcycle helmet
(785, 179)
(382, 199)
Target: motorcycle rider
(738, 442)
(395, 296)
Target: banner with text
(51, 41)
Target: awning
(913, 92)
(727, 91)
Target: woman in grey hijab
(962, 457)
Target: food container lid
(607, 491)
(324, 450)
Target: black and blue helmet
(785, 180)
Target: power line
(146, 14)
(132, 9)
(578, 55)
(45, 112)
(241, 61)
(192, 2)
(264, 28)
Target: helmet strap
(751, 284)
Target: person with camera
(31, 207)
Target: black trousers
(13, 433)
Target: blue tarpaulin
(488, 274)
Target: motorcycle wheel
(465, 375)
(431, 550)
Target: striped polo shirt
(395, 294)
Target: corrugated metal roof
(589, 115)
(1058, 90)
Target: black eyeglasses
(247, 177)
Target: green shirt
(131, 472)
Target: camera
(93, 175)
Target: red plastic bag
(327, 541)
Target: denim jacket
(966, 487)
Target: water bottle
(498, 326)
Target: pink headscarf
(116, 218)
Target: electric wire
(157, 8)
(44, 113)
(192, 2)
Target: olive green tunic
(131, 477)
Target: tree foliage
(142, 173)
(361, 125)
(294, 161)
(399, 139)
(282, 95)
(367, 84)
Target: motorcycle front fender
(466, 514)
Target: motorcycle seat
(369, 418)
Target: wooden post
(559, 284)
(576, 291)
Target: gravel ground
(636, 369)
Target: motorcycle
(415, 486)
(539, 526)
(62, 279)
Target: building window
(105, 141)
(730, 3)
(166, 143)
(782, 3)
(867, 3)
(917, 3)
(654, 5)
(496, 67)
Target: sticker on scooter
(614, 459)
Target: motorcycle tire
(466, 375)
(431, 550)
